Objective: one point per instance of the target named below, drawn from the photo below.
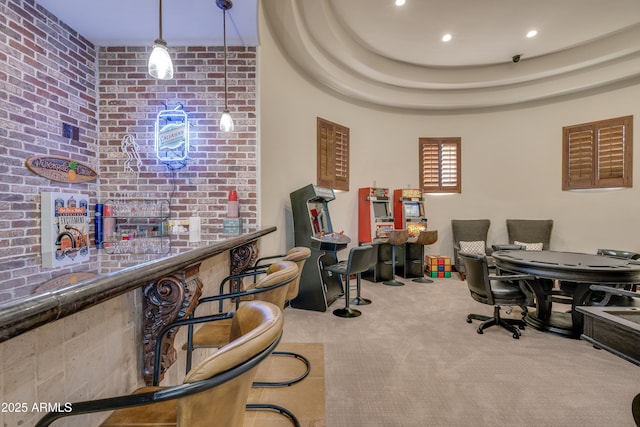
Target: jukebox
(313, 229)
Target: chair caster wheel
(480, 331)
(468, 320)
(516, 336)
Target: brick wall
(50, 75)
(218, 162)
(47, 78)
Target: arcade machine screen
(381, 210)
(412, 210)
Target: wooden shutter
(333, 155)
(440, 165)
(580, 158)
(598, 154)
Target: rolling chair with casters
(359, 260)
(497, 291)
(427, 237)
(396, 238)
(214, 392)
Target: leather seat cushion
(506, 290)
(212, 334)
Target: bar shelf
(136, 226)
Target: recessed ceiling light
(400, 2)
(446, 37)
(532, 33)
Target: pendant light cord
(160, 21)
(224, 38)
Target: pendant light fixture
(226, 122)
(160, 65)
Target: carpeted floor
(411, 360)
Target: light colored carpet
(412, 360)
(305, 398)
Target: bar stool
(373, 259)
(396, 238)
(427, 237)
(358, 261)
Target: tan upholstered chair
(271, 287)
(299, 255)
(214, 393)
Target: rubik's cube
(438, 266)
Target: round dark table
(577, 271)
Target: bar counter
(24, 314)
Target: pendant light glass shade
(226, 122)
(160, 65)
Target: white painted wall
(511, 161)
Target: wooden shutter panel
(449, 166)
(333, 155)
(325, 154)
(610, 152)
(341, 156)
(580, 158)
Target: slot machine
(375, 219)
(409, 213)
(313, 229)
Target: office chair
(497, 291)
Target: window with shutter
(597, 154)
(440, 165)
(333, 155)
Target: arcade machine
(408, 212)
(313, 229)
(375, 221)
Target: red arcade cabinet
(375, 220)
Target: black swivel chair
(359, 260)
(373, 259)
(497, 291)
